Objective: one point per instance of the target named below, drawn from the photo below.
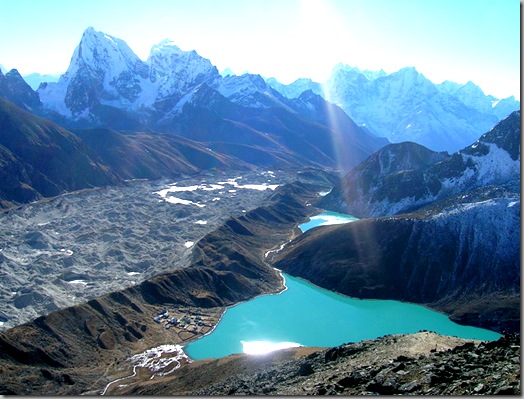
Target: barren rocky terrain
(75, 247)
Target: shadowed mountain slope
(41, 159)
(136, 155)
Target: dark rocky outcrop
(14, 88)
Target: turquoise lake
(307, 315)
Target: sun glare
(317, 38)
(262, 347)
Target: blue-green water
(307, 315)
(326, 218)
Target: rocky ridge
(41, 159)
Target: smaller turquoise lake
(326, 218)
(306, 315)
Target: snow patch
(78, 282)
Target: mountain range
(458, 255)
(406, 106)
(174, 113)
(108, 85)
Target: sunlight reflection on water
(262, 347)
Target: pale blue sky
(458, 40)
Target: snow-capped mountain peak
(406, 106)
(103, 70)
(227, 72)
(355, 71)
(104, 54)
(177, 70)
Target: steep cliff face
(462, 258)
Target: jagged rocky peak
(249, 90)
(405, 176)
(246, 80)
(295, 89)
(355, 72)
(227, 72)
(505, 106)
(408, 80)
(103, 70)
(345, 81)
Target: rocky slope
(419, 364)
(402, 177)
